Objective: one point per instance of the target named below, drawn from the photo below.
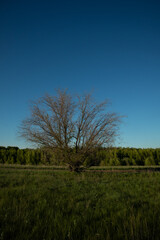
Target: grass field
(43, 204)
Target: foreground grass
(93, 205)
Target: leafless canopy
(71, 127)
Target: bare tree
(72, 128)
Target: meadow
(42, 203)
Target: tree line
(14, 155)
(99, 157)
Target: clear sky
(109, 47)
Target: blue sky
(108, 47)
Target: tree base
(76, 169)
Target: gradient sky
(111, 48)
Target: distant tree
(157, 156)
(12, 154)
(149, 161)
(71, 127)
(20, 157)
(33, 157)
(3, 155)
(27, 156)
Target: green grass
(45, 204)
(153, 168)
(55, 167)
(32, 167)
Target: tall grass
(88, 206)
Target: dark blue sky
(109, 47)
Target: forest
(115, 156)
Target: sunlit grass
(56, 167)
